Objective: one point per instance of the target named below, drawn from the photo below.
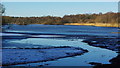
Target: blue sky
(60, 0)
(28, 9)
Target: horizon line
(59, 16)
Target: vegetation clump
(109, 19)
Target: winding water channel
(95, 54)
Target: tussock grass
(95, 24)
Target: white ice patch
(46, 36)
(10, 34)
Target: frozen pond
(95, 54)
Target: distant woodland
(109, 19)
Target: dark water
(64, 29)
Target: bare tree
(2, 9)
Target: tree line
(108, 18)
